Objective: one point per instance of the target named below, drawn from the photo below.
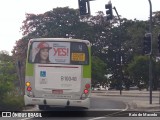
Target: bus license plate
(78, 57)
(57, 91)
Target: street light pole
(150, 56)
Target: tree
(139, 70)
(7, 74)
(61, 22)
(4, 56)
(98, 70)
(10, 99)
(156, 75)
(156, 31)
(103, 35)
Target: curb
(130, 96)
(132, 106)
(135, 105)
(143, 106)
(28, 107)
(104, 93)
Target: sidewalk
(135, 104)
(138, 105)
(133, 93)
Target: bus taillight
(86, 91)
(87, 86)
(29, 88)
(28, 84)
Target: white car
(97, 88)
(100, 88)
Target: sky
(12, 13)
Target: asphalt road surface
(102, 108)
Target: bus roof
(61, 39)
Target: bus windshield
(55, 52)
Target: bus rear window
(59, 53)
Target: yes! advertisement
(60, 52)
(57, 52)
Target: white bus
(58, 73)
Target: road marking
(97, 118)
(127, 106)
(27, 118)
(119, 110)
(99, 109)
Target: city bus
(58, 73)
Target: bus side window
(30, 58)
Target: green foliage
(12, 103)
(8, 78)
(98, 70)
(105, 37)
(4, 56)
(139, 70)
(7, 74)
(55, 23)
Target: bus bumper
(57, 102)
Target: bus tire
(43, 107)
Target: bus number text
(68, 78)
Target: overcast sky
(12, 13)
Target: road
(102, 108)
(104, 103)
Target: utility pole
(150, 56)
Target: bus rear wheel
(43, 107)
